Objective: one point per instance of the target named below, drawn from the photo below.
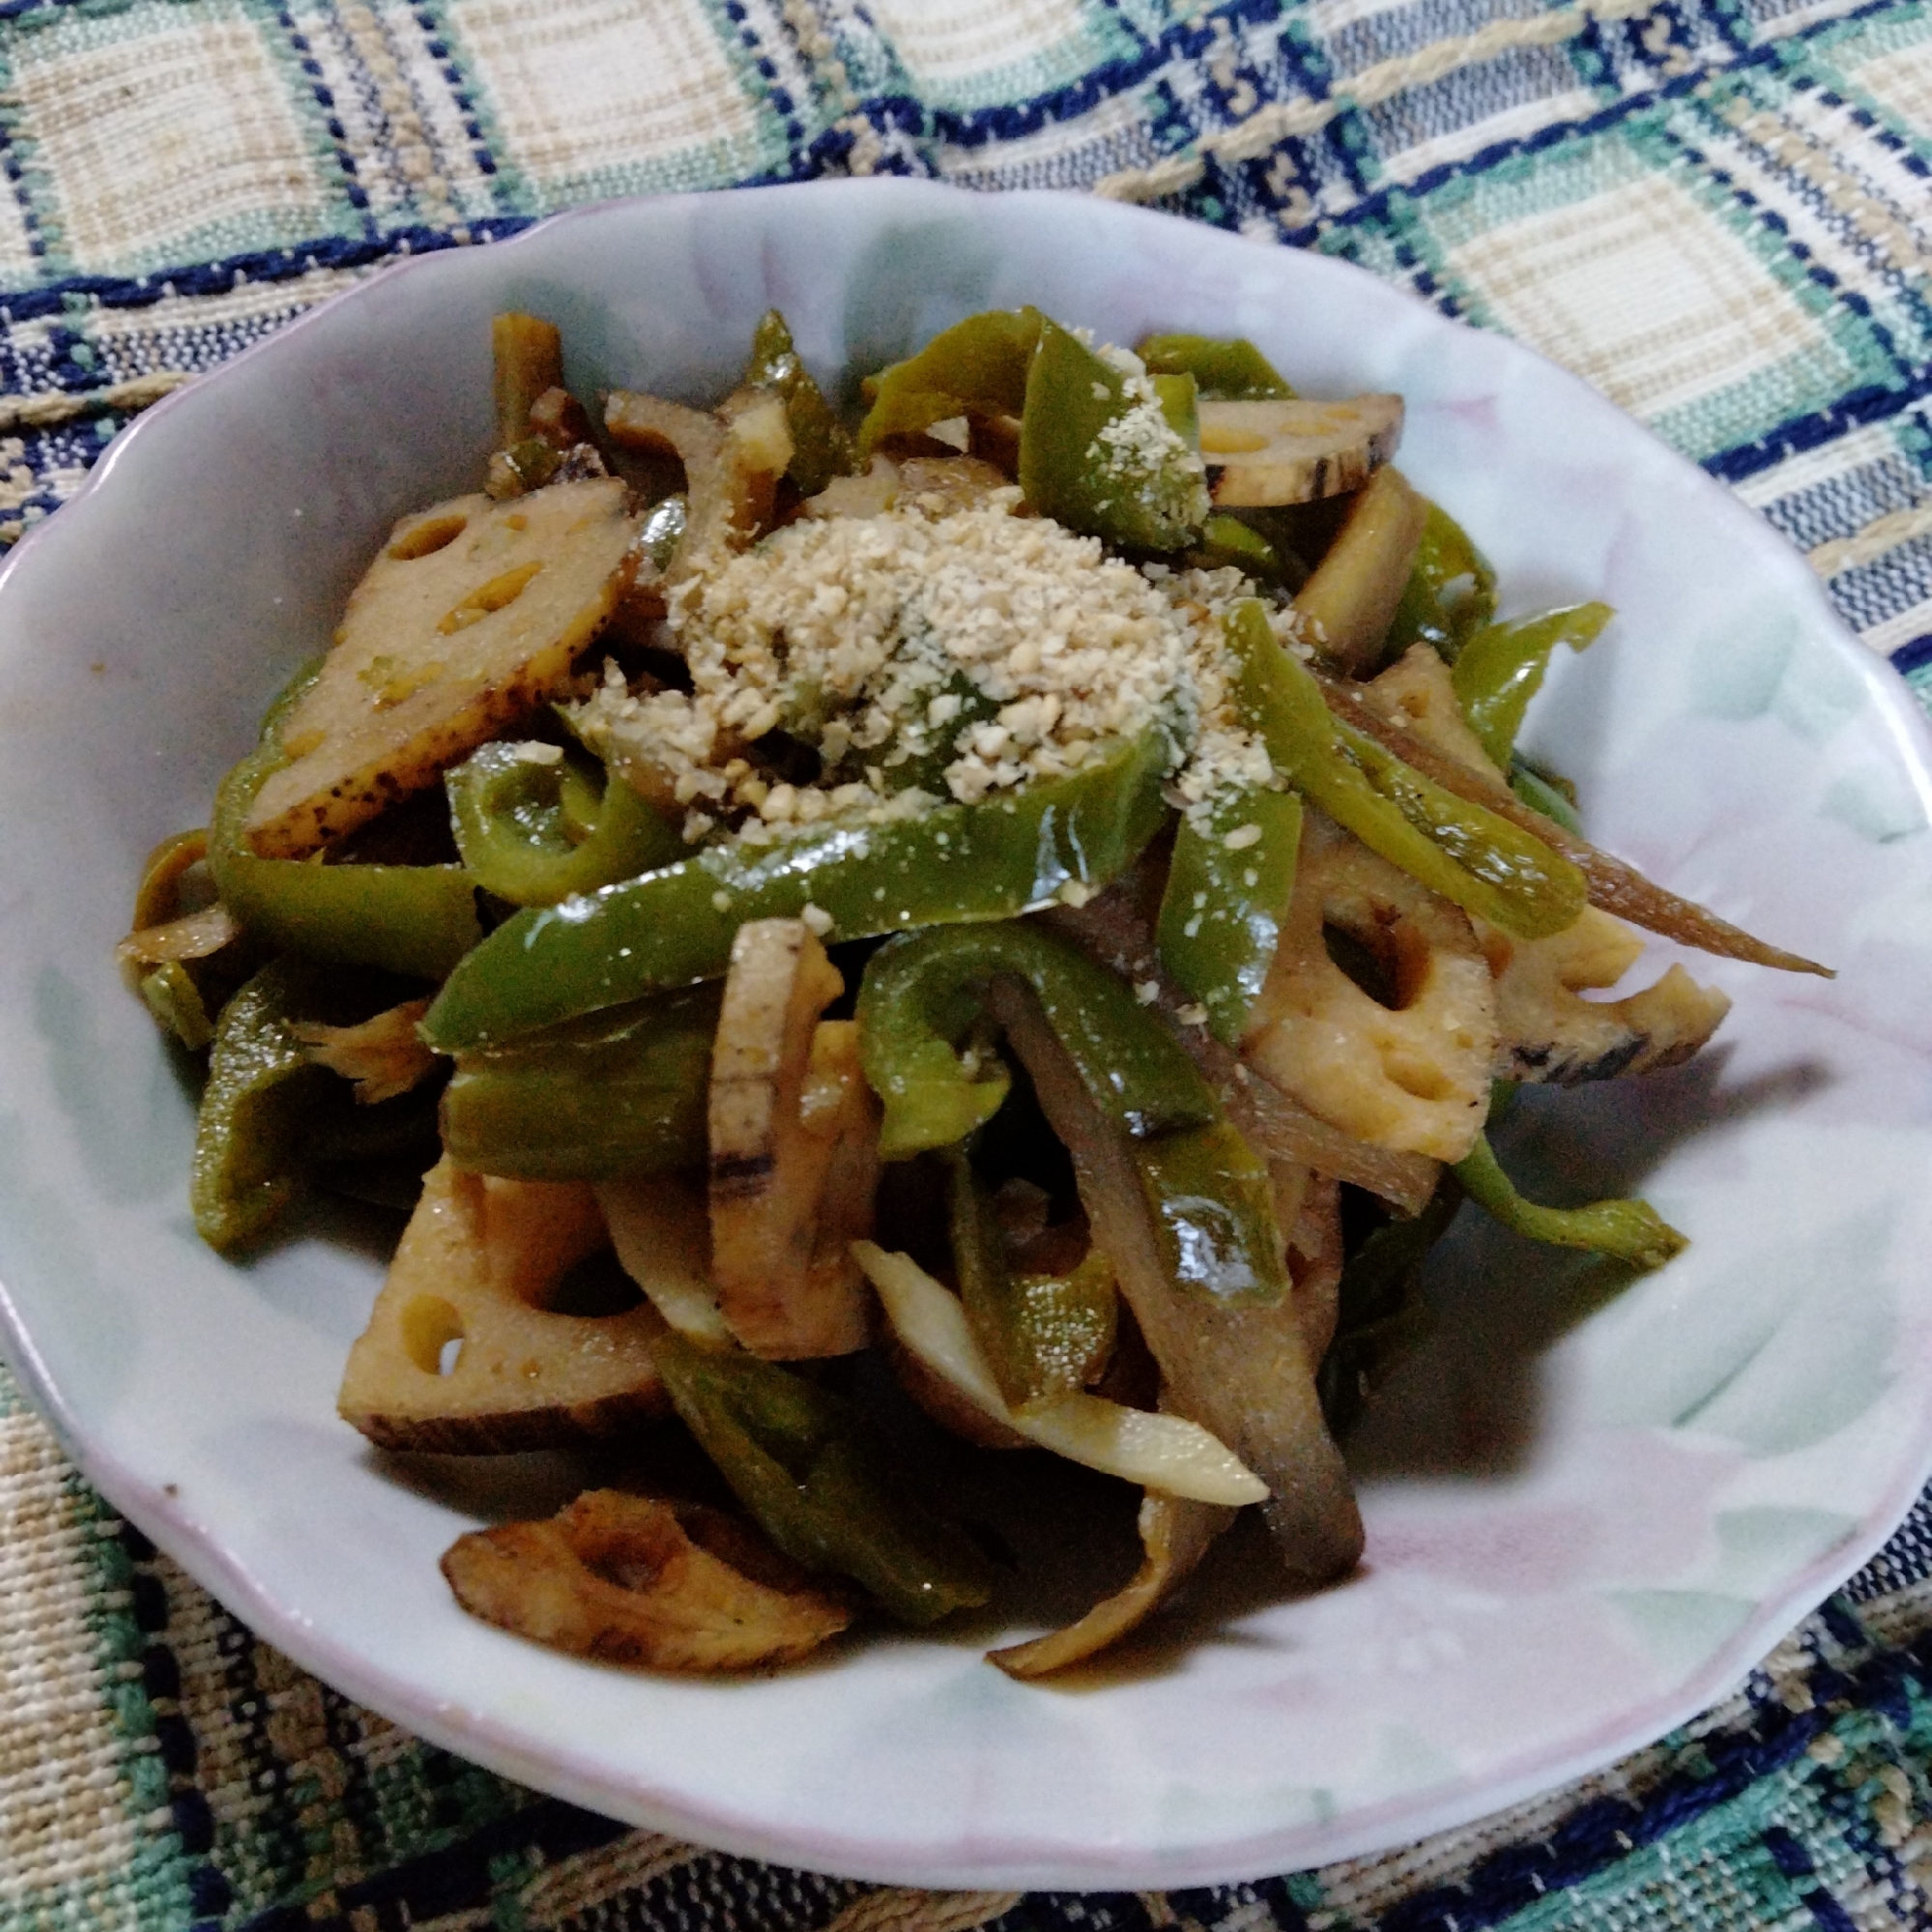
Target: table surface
(1716, 211)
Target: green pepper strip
(1205, 1189)
(921, 997)
(415, 919)
(976, 368)
(1214, 1214)
(803, 1462)
(1067, 1324)
(1227, 542)
(1539, 791)
(1450, 593)
(614, 1093)
(157, 898)
(822, 447)
(1227, 370)
(1072, 474)
(956, 863)
(260, 1087)
(1625, 1230)
(175, 1000)
(1502, 667)
(512, 820)
(1464, 852)
(1042, 1335)
(1222, 912)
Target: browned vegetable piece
(1280, 1128)
(557, 418)
(995, 440)
(658, 428)
(1309, 1206)
(193, 936)
(1418, 693)
(1349, 601)
(1549, 1033)
(792, 1137)
(661, 1228)
(757, 450)
(1614, 887)
(1174, 1535)
(1544, 1031)
(384, 1055)
(731, 461)
(167, 928)
(474, 613)
(870, 495)
(1293, 450)
(636, 1580)
(529, 357)
(1412, 1074)
(943, 1403)
(1117, 930)
(839, 1107)
(1237, 1369)
(476, 1264)
(556, 448)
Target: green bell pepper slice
(1222, 911)
(1625, 1230)
(920, 1002)
(170, 994)
(1541, 793)
(1464, 852)
(1227, 542)
(415, 919)
(1502, 668)
(1206, 1191)
(1450, 593)
(1083, 464)
(822, 447)
(1214, 1214)
(261, 1086)
(515, 819)
(1042, 1335)
(1225, 369)
(953, 864)
(615, 1093)
(803, 1460)
(977, 367)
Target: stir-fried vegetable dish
(1017, 903)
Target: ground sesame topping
(927, 656)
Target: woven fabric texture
(1716, 211)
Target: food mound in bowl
(1035, 890)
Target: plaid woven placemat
(1718, 211)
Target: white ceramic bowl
(1586, 1517)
